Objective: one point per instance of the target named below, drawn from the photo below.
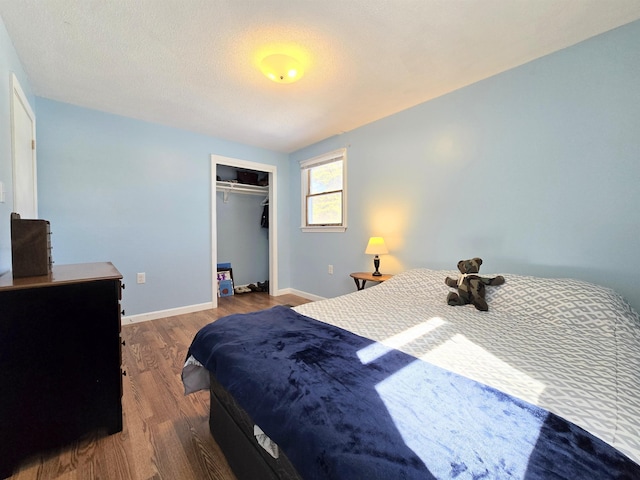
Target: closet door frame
(272, 171)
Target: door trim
(272, 170)
(17, 95)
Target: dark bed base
(232, 429)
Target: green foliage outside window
(325, 209)
(325, 178)
(324, 200)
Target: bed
(391, 382)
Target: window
(324, 192)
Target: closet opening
(244, 227)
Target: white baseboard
(300, 293)
(171, 312)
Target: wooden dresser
(60, 359)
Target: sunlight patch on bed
(431, 413)
(461, 355)
(378, 349)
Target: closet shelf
(234, 187)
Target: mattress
(568, 346)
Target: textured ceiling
(193, 64)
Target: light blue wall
(9, 63)
(536, 170)
(139, 195)
(241, 239)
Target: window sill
(332, 229)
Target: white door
(23, 135)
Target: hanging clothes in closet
(264, 221)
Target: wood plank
(165, 434)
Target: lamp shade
(376, 246)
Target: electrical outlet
(142, 277)
(330, 270)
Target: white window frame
(340, 154)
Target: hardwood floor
(166, 434)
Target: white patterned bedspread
(568, 346)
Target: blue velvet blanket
(342, 407)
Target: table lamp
(376, 246)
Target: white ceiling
(193, 64)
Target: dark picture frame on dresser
(60, 359)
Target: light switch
(1, 192)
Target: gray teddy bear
(470, 285)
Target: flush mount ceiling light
(281, 68)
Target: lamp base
(376, 264)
